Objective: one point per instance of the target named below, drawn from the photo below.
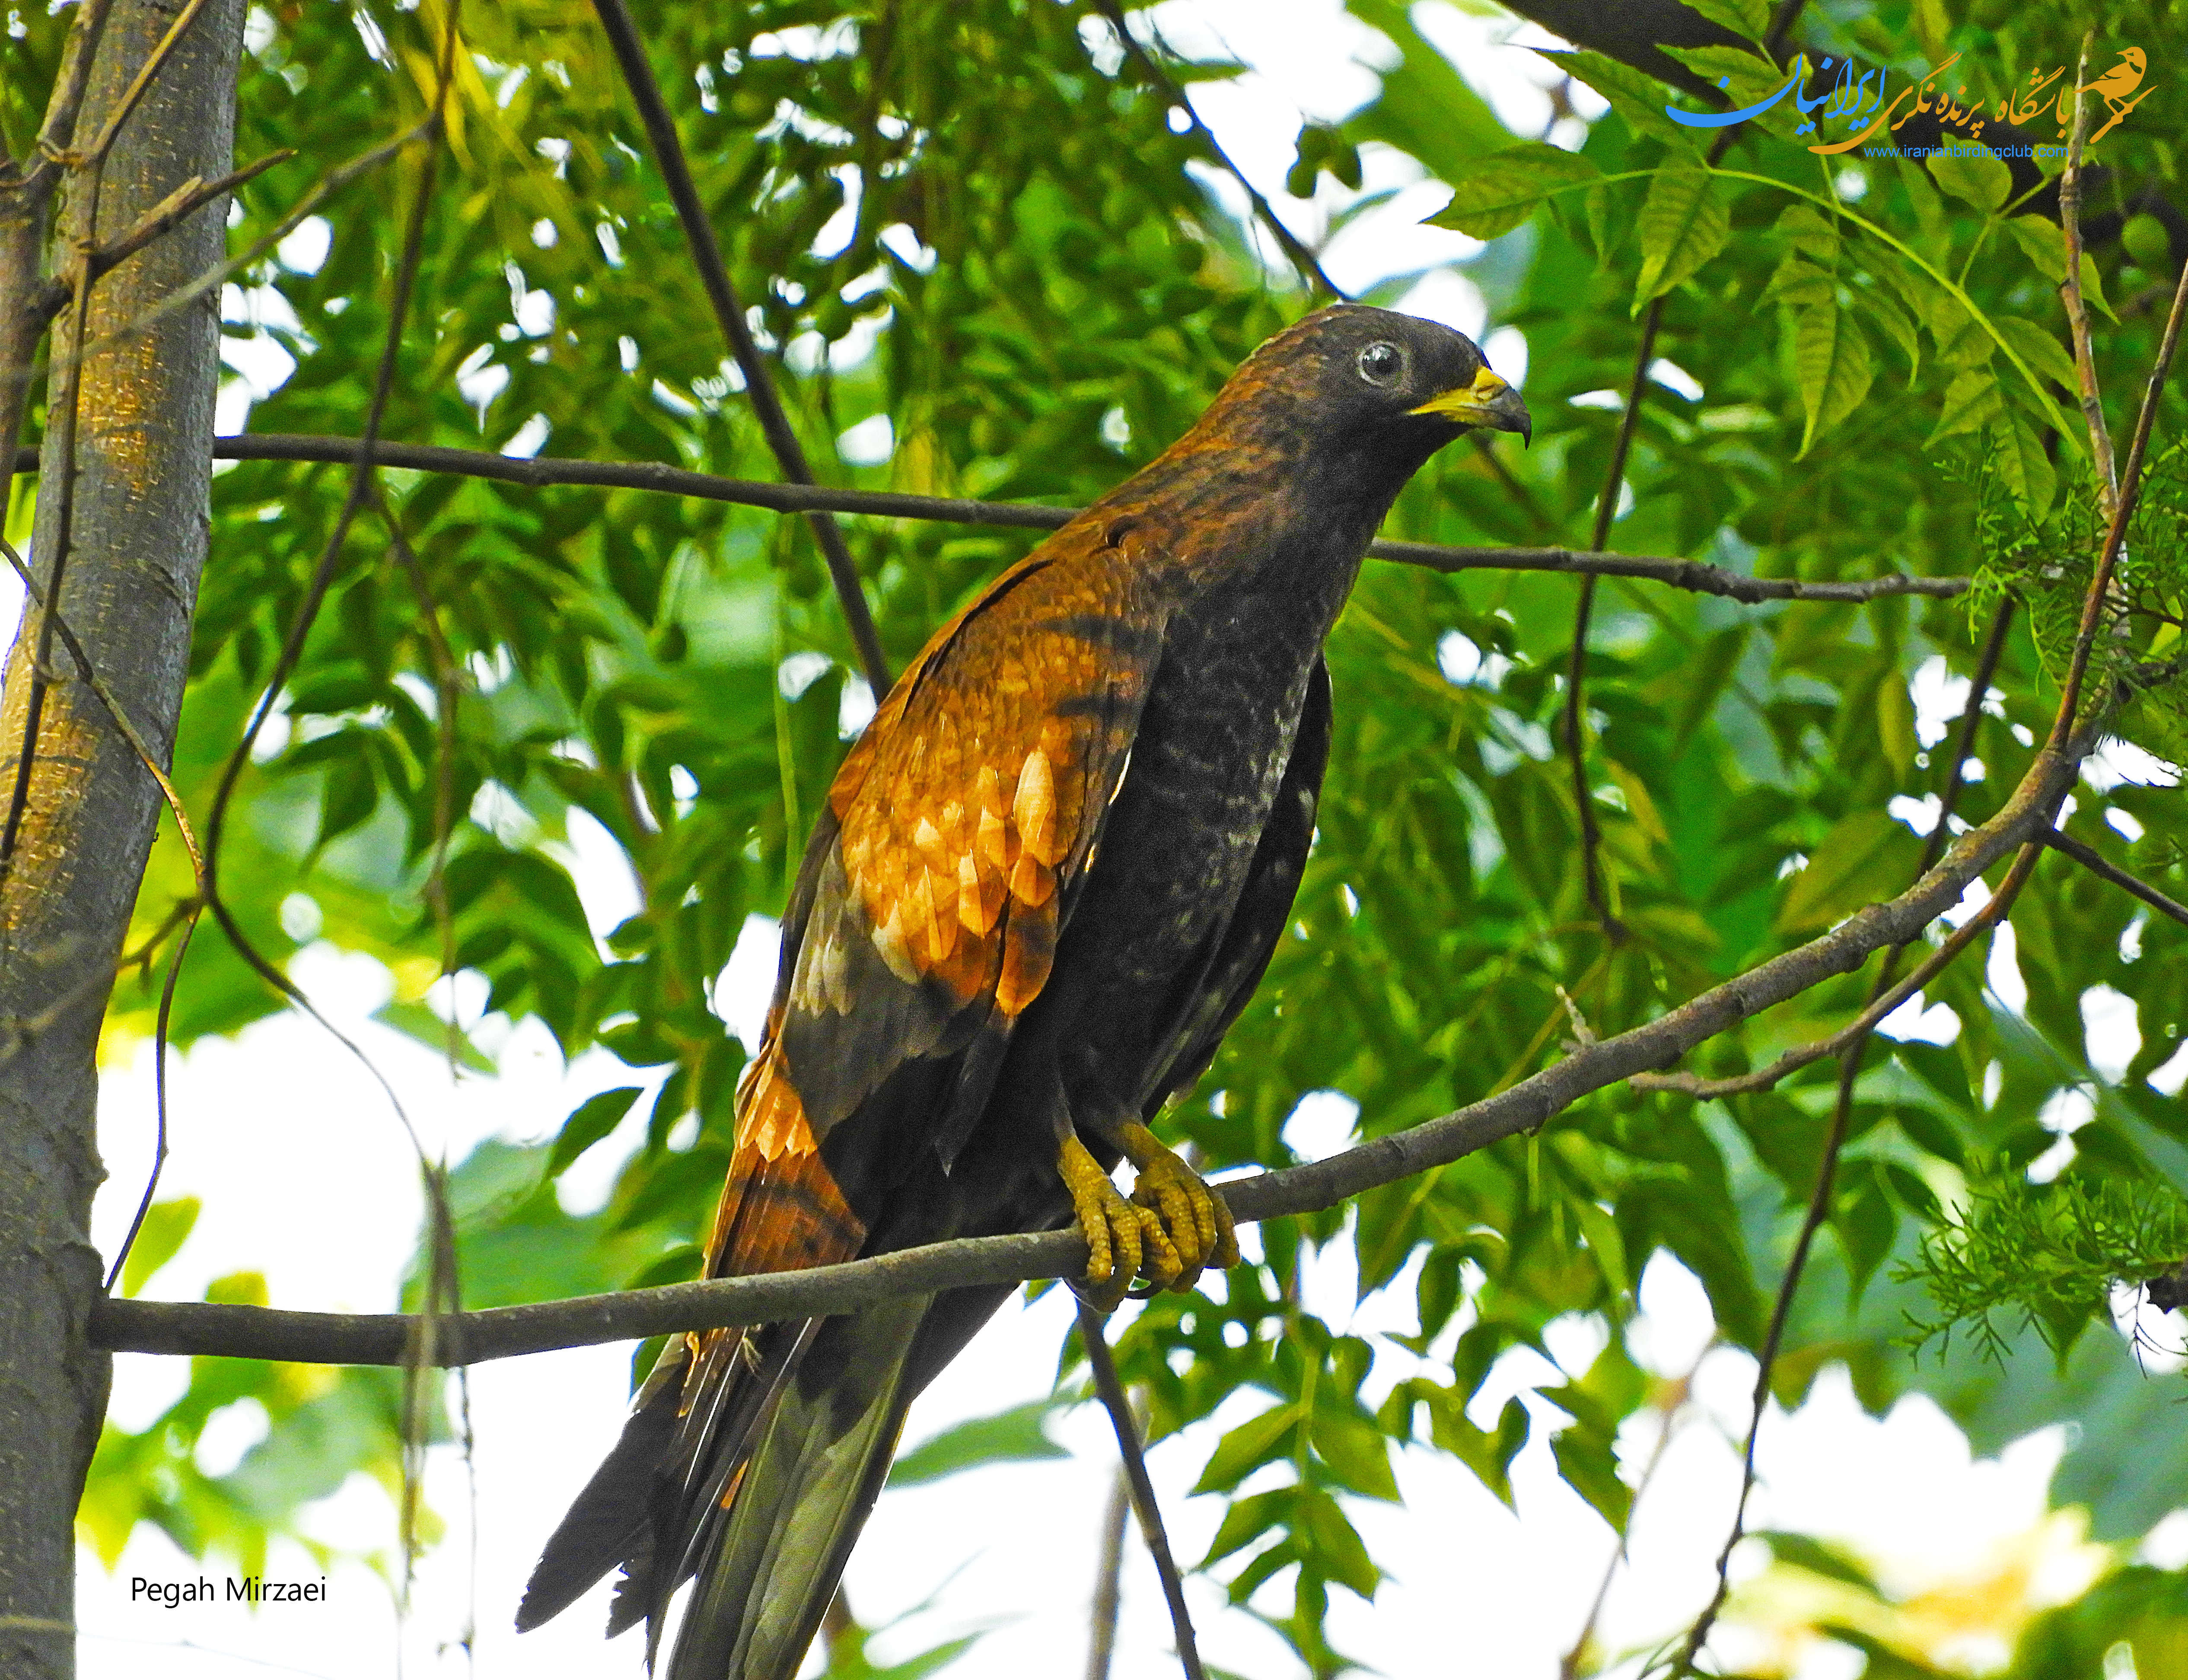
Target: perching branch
(1698, 577)
(1119, 1405)
(759, 383)
(499, 1332)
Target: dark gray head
(1350, 373)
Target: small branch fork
(759, 383)
(1119, 1405)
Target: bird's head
(1369, 374)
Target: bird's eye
(1381, 363)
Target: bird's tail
(788, 1525)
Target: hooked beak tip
(1489, 401)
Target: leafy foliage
(973, 233)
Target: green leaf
(1356, 1452)
(1899, 326)
(1831, 356)
(1819, 1557)
(1011, 1437)
(1604, 1242)
(417, 1022)
(1810, 232)
(1425, 107)
(2145, 239)
(1590, 1469)
(1744, 78)
(1865, 1220)
(1337, 1546)
(1245, 1448)
(351, 789)
(2045, 243)
(1895, 725)
(1504, 188)
(1248, 1519)
(1972, 400)
(1799, 283)
(2040, 350)
(166, 1226)
(1683, 224)
(2022, 466)
(1489, 1456)
(1636, 97)
(590, 1122)
(1748, 17)
(1972, 176)
(1868, 857)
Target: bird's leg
(1196, 1221)
(1119, 1235)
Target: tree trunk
(136, 546)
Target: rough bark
(142, 468)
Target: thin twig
(94, 155)
(2098, 865)
(448, 688)
(1575, 713)
(26, 196)
(360, 483)
(1303, 260)
(1680, 1390)
(2070, 291)
(1883, 1003)
(115, 709)
(186, 200)
(1821, 1193)
(160, 1036)
(213, 278)
(64, 408)
(1698, 576)
(69, 86)
(1119, 1405)
(2093, 603)
(759, 383)
(1108, 1578)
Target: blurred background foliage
(990, 260)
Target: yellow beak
(1489, 401)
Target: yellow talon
(1192, 1215)
(1118, 1234)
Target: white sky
(306, 1176)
